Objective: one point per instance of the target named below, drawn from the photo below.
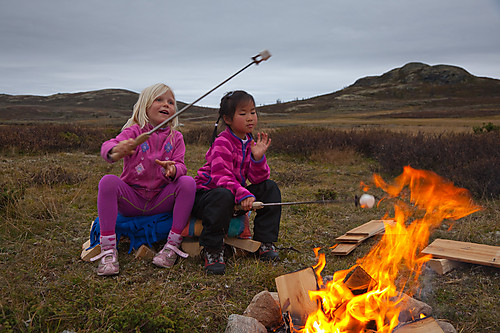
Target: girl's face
(244, 119)
(162, 108)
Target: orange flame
(363, 186)
(422, 201)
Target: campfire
(368, 297)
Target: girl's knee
(222, 195)
(109, 181)
(187, 182)
(272, 186)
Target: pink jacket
(140, 170)
(230, 164)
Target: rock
(265, 309)
(243, 324)
(275, 296)
(446, 326)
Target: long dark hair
(228, 104)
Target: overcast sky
(317, 47)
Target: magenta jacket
(230, 164)
(140, 170)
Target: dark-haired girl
(234, 160)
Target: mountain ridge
(414, 86)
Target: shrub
(489, 127)
(36, 139)
(470, 161)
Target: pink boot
(108, 265)
(168, 255)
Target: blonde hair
(145, 100)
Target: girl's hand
(169, 166)
(122, 149)
(260, 146)
(247, 204)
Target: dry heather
(48, 200)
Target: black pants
(215, 208)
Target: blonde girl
(153, 179)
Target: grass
(49, 201)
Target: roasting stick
(262, 56)
(259, 205)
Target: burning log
(358, 281)
(424, 325)
(293, 293)
(394, 263)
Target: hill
(111, 106)
(414, 91)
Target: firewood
(359, 281)
(425, 325)
(473, 253)
(370, 228)
(351, 238)
(145, 252)
(191, 247)
(246, 244)
(90, 253)
(293, 294)
(343, 249)
(443, 266)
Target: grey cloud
(318, 47)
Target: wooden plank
(191, 247)
(370, 228)
(91, 253)
(293, 293)
(351, 238)
(343, 249)
(86, 244)
(145, 252)
(359, 281)
(473, 253)
(443, 266)
(424, 325)
(246, 244)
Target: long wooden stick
(259, 204)
(262, 56)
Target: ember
(422, 200)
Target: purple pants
(114, 195)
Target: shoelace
(215, 256)
(177, 250)
(102, 254)
(268, 247)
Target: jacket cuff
(259, 161)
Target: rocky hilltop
(414, 90)
(419, 73)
